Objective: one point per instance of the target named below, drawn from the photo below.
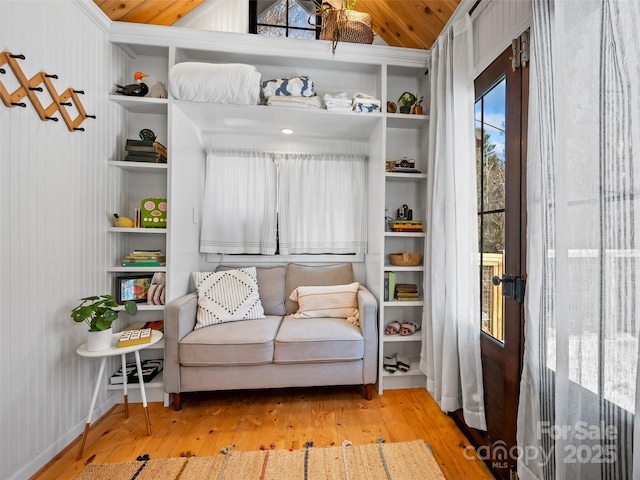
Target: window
(283, 18)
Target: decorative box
(153, 213)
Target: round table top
(114, 350)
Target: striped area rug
(384, 461)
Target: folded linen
(216, 83)
(300, 86)
(365, 103)
(338, 102)
(294, 102)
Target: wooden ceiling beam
(116, 9)
(147, 10)
(175, 12)
(392, 22)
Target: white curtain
(322, 204)
(239, 205)
(451, 338)
(578, 394)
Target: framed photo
(132, 288)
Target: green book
(392, 285)
(143, 264)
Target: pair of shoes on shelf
(404, 329)
(395, 362)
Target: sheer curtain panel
(239, 205)
(578, 393)
(451, 338)
(322, 204)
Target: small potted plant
(99, 312)
(407, 99)
(417, 108)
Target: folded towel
(365, 103)
(295, 86)
(294, 102)
(338, 102)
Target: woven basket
(340, 25)
(405, 259)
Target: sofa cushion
(270, 287)
(246, 342)
(304, 275)
(334, 301)
(301, 340)
(227, 296)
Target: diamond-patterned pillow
(227, 296)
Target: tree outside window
(283, 18)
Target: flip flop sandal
(391, 363)
(393, 328)
(404, 365)
(408, 328)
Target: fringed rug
(384, 461)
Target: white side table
(156, 336)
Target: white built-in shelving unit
(187, 129)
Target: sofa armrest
(179, 320)
(368, 308)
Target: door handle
(512, 286)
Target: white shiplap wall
(219, 16)
(56, 196)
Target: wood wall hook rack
(27, 88)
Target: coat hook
(52, 118)
(20, 104)
(79, 129)
(37, 89)
(3, 71)
(68, 104)
(90, 116)
(51, 76)
(21, 57)
(81, 92)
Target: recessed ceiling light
(287, 131)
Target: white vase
(97, 341)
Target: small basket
(405, 259)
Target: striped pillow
(227, 296)
(332, 301)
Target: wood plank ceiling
(400, 23)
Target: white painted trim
(489, 56)
(282, 259)
(53, 449)
(93, 12)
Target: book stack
(407, 292)
(145, 258)
(389, 285)
(145, 151)
(406, 226)
(150, 368)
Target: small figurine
(138, 89)
(159, 90)
(147, 134)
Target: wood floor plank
(286, 418)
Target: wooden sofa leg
(177, 404)
(368, 391)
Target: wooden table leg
(124, 385)
(92, 406)
(142, 392)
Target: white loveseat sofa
(276, 351)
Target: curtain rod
(474, 7)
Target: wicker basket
(405, 259)
(340, 25)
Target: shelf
(145, 307)
(406, 120)
(140, 166)
(268, 121)
(403, 338)
(405, 176)
(408, 303)
(151, 105)
(404, 234)
(395, 268)
(137, 269)
(414, 370)
(162, 231)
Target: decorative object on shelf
(132, 289)
(137, 89)
(147, 134)
(344, 24)
(404, 213)
(390, 165)
(417, 107)
(123, 222)
(153, 213)
(405, 165)
(99, 313)
(407, 99)
(156, 293)
(145, 151)
(159, 90)
(134, 337)
(28, 87)
(405, 259)
(392, 107)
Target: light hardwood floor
(286, 419)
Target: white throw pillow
(333, 301)
(227, 296)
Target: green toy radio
(153, 213)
